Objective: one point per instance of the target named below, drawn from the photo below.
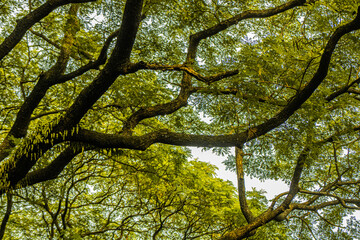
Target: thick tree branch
(52, 170)
(29, 20)
(184, 94)
(118, 64)
(22, 120)
(308, 90)
(131, 19)
(103, 140)
(127, 33)
(239, 154)
(23, 117)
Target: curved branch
(197, 37)
(328, 221)
(276, 198)
(23, 117)
(239, 154)
(308, 90)
(29, 20)
(157, 110)
(7, 214)
(132, 15)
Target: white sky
(271, 187)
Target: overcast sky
(272, 188)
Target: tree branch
(23, 117)
(197, 37)
(52, 170)
(92, 64)
(29, 20)
(239, 154)
(342, 90)
(181, 101)
(7, 214)
(22, 164)
(58, 46)
(190, 71)
(103, 140)
(239, 94)
(294, 186)
(307, 91)
(343, 202)
(118, 64)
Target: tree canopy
(99, 100)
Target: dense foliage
(98, 100)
